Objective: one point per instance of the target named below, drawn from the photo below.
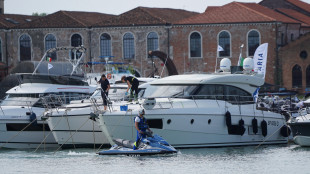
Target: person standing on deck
(105, 87)
(133, 84)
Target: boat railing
(1, 107)
(52, 101)
(195, 101)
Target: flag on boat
(49, 66)
(240, 61)
(255, 94)
(219, 48)
(260, 59)
(49, 59)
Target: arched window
(253, 42)
(25, 47)
(128, 46)
(292, 36)
(50, 42)
(224, 42)
(297, 76)
(195, 45)
(76, 40)
(308, 77)
(152, 42)
(105, 45)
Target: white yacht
(300, 127)
(24, 105)
(72, 126)
(21, 121)
(201, 110)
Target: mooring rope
(18, 133)
(94, 136)
(267, 138)
(114, 128)
(72, 135)
(49, 133)
(44, 133)
(69, 128)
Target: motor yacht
(202, 110)
(72, 125)
(300, 126)
(24, 104)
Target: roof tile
(66, 19)
(237, 12)
(147, 16)
(11, 20)
(303, 5)
(295, 15)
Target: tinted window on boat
(169, 91)
(155, 123)
(223, 92)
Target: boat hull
(12, 136)
(301, 133)
(77, 131)
(302, 140)
(183, 128)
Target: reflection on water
(264, 159)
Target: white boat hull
(302, 140)
(198, 127)
(11, 138)
(77, 131)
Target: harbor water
(288, 158)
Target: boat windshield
(38, 100)
(169, 91)
(19, 101)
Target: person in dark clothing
(133, 84)
(105, 87)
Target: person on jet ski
(141, 126)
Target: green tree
(38, 14)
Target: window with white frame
(224, 42)
(105, 45)
(195, 44)
(76, 41)
(128, 46)
(152, 42)
(50, 42)
(253, 42)
(25, 47)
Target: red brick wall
(290, 57)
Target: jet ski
(151, 145)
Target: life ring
(109, 76)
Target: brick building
(190, 39)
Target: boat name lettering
(273, 123)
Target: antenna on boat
(74, 62)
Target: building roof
(11, 20)
(236, 12)
(66, 19)
(295, 15)
(303, 5)
(209, 8)
(147, 16)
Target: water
(266, 159)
